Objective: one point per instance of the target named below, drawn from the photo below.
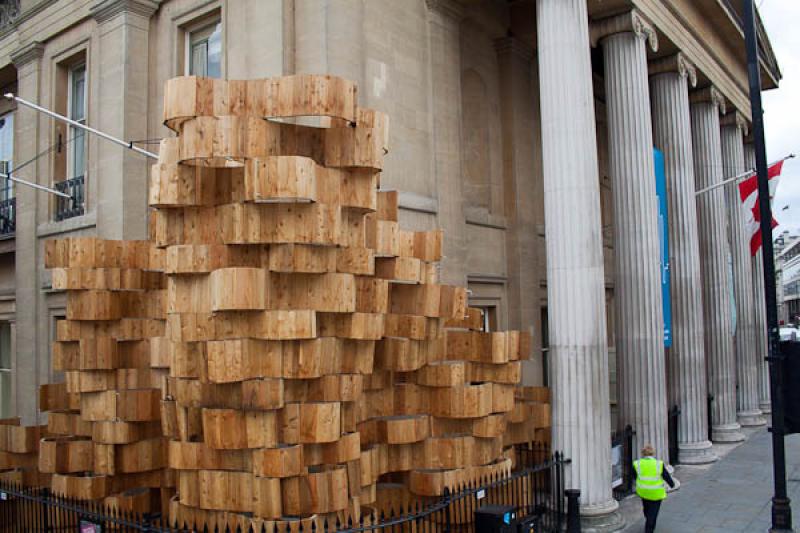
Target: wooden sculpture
(280, 350)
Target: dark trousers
(650, 508)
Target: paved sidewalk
(731, 495)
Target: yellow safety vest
(649, 483)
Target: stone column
(714, 250)
(444, 19)
(575, 284)
(28, 128)
(120, 182)
(733, 130)
(761, 312)
(641, 375)
(686, 364)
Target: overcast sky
(782, 107)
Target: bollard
(573, 510)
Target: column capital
(25, 54)
(513, 47)
(633, 21)
(103, 10)
(735, 119)
(710, 95)
(448, 8)
(675, 63)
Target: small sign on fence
(3, 496)
(616, 466)
(481, 494)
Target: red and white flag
(748, 192)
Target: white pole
(34, 185)
(739, 177)
(127, 144)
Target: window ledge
(48, 229)
(8, 243)
(491, 279)
(480, 216)
(417, 202)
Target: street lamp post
(781, 510)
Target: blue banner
(663, 235)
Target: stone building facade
(524, 128)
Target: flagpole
(781, 508)
(741, 176)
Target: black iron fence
(536, 491)
(74, 205)
(8, 216)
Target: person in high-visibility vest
(650, 476)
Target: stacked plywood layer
(105, 439)
(312, 364)
(19, 446)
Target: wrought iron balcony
(74, 205)
(8, 216)
(9, 13)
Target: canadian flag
(748, 192)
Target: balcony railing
(9, 12)
(8, 216)
(74, 205)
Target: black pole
(573, 510)
(781, 510)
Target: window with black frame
(75, 183)
(204, 50)
(8, 215)
(5, 369)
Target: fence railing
(8, 216)
(536, 491)
(74, 205)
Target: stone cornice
(708, 95)
(448, 8)
(736, 120)
(675, 63)
(32, 51)
(103, 10)
(632, 21)
(514, 47)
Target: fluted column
(575, 286)
(760, 309)
(714, 250)
(733, 129)
(641, 375)
(686, 364)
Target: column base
(751, 418)
(727, 433)
(601, 518)
(696, 453)
(766, 407)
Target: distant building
(787, 276)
